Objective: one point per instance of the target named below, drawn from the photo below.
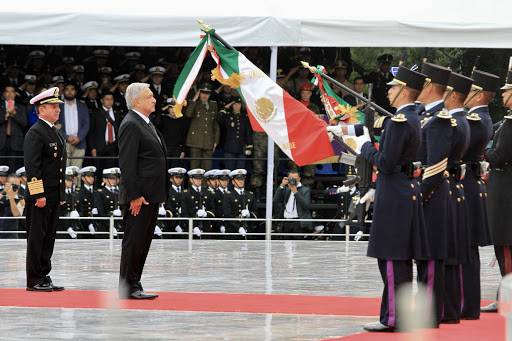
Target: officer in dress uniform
(212, 184)
(45, 160)
(69, 207)
(175, 202)
(239, 203)
(198, 202)
(436, 131)
(480, 125)
(85, 202)
(107, 199)
(398, 233)
(4, 172)
(222, 191)
(499, 157)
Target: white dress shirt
(71, 117)
(290, 210)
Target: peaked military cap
(409, 78)
(436, 74)
(459, 83)
(485, 81)
(48, 96)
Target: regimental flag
(189, 74)
(338, 110)
(300, 134)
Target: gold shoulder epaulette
(453, 122)
(379, 122)
(35, 186)
(474, 117)
(444, 114)
(399, 118)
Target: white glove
(357, 141)
(222, 229)
(197, 231)
(91, 228)
(358, 236)
(368, 198)
(71, 233)
(158, 231)
(246, 213)
(242, 231)
(178, 229)
(343, 189)
(335, 130)
(248, 152)
(319, 228)
(115, 232)
(201, 213)
(94, 211)
(161, 211)
(117, 212)
(74, 214)
(179, 210)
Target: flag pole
(349, 90)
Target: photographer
(295, 200)
(13, 206)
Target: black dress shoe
(41, 287)
(54, 287)
(377, 327)
(491, 308)
(141, 295)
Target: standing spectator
(340, 71)
(28, 89)
(380, 79)
(90, 96)
(139, 73)
(359, 88)
(174, 131)
(105, 78)
(12, 206)
(59, 82)
(204, 133)
(119, 91)
(13, 121)
(66, 70)
(295, 200)
(295, 78)
(224, 95)
(20, 173)
(78, 75)
(12, 75)
(156, 85)
(104, 130)
(74, 124)
(238, 138)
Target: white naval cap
(31, 78)
(20, 171)
(48, 96)
(133, 55)
(89, 169)
(37, 53)
(237, 172)
(101, 53)
(157, 70)
(176, 170)
(223, 172)
(196, 171)
(90, 85)
(4, 170)
(109, 171)
(122, 78)
(106, 70)
(58, 79)
(78, 68)
(72, 170)
(211, 173)
(117, 170)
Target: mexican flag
(189, 74)
(298, 132)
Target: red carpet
(489, 327)
(190, 301)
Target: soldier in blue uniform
(220, 195)
(436, 130)
(398, 233)
(499, 157)
(480, 125)
(45, 161)
(198, 202)
(175, 201)
(239, 203)
(68, 207)
(85, 202)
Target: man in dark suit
(13, 121)
(45, 160)
(295, 200)
(104, 130)
(143, 186)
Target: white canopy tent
(394, 23)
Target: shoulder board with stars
(474, 117)
(400, 118)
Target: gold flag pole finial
(204, 27)
(307, 66)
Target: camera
(292, 181)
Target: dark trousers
(394, 273)
(293, 226)
(504, 257)
(41, 230)
(452, 293)
(138, 233)
(471, 285)
(431, 274)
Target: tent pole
(270, 157)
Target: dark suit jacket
(18, 125)
(99, 126)
(303, 201)
(83, 122)
(142, 161)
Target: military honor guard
(86, 194)
(175, 201)
(45, 161)
(68, 207)
(22, 175)
(480, 125)
(198, 202)
(239, 203)
(220, 195)
(107, 199)
(499, 157)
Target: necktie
(110, 133)
(154, 131)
